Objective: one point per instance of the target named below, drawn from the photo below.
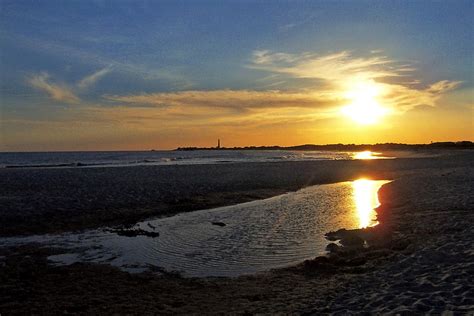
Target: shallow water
(257, 236)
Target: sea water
(130, 158)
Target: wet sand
(420, 258)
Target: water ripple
(257, 236)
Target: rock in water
(352, 241)
(332, 247)
(219, 224)
(135, 232)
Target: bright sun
(364, 108)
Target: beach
(45, 200)
(236, 157)
(420, 258)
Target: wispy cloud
(234, 99)
(334, 66)
(403, 98)
(341, 71)
(337, 73)
(300, 21)
(92, 79)
(168, 74)
(58, 92)
(443, 86)
(62, 91)
(300, 112)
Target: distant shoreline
(347, 147)
(465, 144)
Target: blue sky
(62, 60)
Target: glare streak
(366, 200)
(366, 155)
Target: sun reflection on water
(366, 155)
(366, 200)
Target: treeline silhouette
(348, 147)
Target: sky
(139, 75)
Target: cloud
(61, 91)
(92, 79)
(266, 57)
(335, 66)
(337, 74)
(404, 98)
(376, 51)
(319, 89)
(443, 86)
(340, 72)
(169, 74)
(288, 26)
(58, 92)
(231, 99)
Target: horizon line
(237, 147)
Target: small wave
(42, 165)
(276, 158)
(143, 161)
(58, 165)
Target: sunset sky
(111, 75)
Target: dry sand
(420, 259)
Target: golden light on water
(366, 200)
(366, 155)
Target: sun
(364, 108)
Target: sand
(431, 223)
(420, 259)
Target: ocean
(128, 158)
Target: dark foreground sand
(420, 259)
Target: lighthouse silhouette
(218, 143)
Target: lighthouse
(218, 143)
